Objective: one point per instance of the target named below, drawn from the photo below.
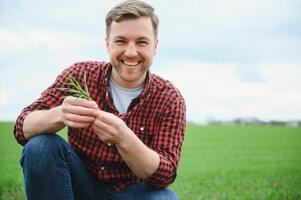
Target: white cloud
(216, 91)
(8, 106)
(3, 97)
(53, 42)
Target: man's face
(131, 45)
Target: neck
(128, 84)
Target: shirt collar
(147, 85)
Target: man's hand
(78, 112)
(109, 128)
(74, 112)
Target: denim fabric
(52, 170)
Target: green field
(218, 162)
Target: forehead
(140, 27)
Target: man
(126, 142)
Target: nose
(131, 50)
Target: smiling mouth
(130, 63)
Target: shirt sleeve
(49, 98)
(168, 144)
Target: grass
(11, 180)
(75, 89)
(218, 162)
(236, 162)
(11, 176)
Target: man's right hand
(78, 112)
(73, 112)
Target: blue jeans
(52, 170)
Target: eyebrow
(143, 38)
(139, 39)
(119, 37)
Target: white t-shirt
(122, 97)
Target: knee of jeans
(42, 146)
(172, 195)
(165, 194)
(141, 191)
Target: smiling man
(126, 143)
(131, 45)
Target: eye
(119, 41)
(142, 42)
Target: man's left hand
(109, 128)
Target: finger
(81, 102)
(102, 126)
(78, 110)
(103, 131)
(78, 118)
(76, 124)
(107, 118)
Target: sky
(229, 58)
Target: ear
(107, 43)
(156, 46)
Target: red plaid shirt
(157, 117)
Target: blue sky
(229, 58)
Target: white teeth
(130, 63)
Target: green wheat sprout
(75, 89)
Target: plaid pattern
(157, 117)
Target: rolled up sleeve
(49, 98)
(168, 144)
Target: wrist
(57, 115)
(124, 138)
(42, 121)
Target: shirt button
(109, 144)
(141, 128)
(107, 94)
(102, 168)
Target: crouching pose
(125, 141)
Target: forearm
(43, 121)
(142, 160)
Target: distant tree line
(255, 121)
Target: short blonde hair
(131, 9)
